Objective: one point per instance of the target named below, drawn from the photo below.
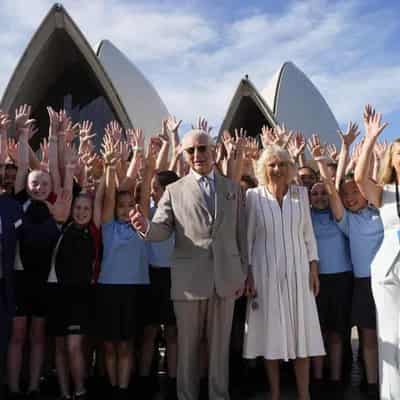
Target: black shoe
(121, 394)
(81, 396)
(171, 390)
(203, 389)
(145, 387)
(16, 396)
(372, 391)
(317, 389)
(335, 390)
(33, 395)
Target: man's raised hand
(138, 220)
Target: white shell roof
(298, 104)
(141, 101)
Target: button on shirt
(365, 232)
(333, 245)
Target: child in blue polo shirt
(336, 280)
(124, 272)
(363, 227)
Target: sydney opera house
(60, 68)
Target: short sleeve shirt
(365, 232)
(125, 259)
(333, 245)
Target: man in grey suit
(209, 266)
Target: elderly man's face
(199, 154)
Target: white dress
(385, 275)
(283, 324)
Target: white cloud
(196, 62)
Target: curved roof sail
(59, 68)
(142, 102)
(298, 104)
(247, 110)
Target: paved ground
(288, 385)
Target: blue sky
(195, 52)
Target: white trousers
(387, 299)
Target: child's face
(319, 197)
(82, 211)
(125, 203)
(351, 196)
(39, 185)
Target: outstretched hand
(373, 123)
(138, 220)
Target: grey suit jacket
(210, 254)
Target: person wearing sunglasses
(209, 265)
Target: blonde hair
(271, 151)
(387, 174)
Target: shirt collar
(197, 176)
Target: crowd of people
(237, 249)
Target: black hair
(309, 168)
(9, 166)
(348, 177)
(249, 181)
(165, 178)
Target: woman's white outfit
(385, 275)
(282, 321)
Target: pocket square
(231, 196)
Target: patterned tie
(209, 193)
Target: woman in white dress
(282, 320)
(385, 268)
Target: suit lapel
(220, 190)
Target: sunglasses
(200, 149)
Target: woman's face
(396, 158)
(156, 190)
(277, 170)
(319, 196)
(82, 211)
(351, 196)
(39, 185)
(125, 203)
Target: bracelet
(137, 148)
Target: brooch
(230, 196)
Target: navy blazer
(11, 221)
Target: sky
(196, 51)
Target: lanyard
(397, 200)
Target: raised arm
(54, 168)
(110, 160)
(98, 202)
(347, 139)
(373, 128)
(150, 164)
(22, 123)
(136, 141)
(162, 158)
(317, 152)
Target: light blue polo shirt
(333, 245)
(365, 232)
(160, 253)
(125, 258)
